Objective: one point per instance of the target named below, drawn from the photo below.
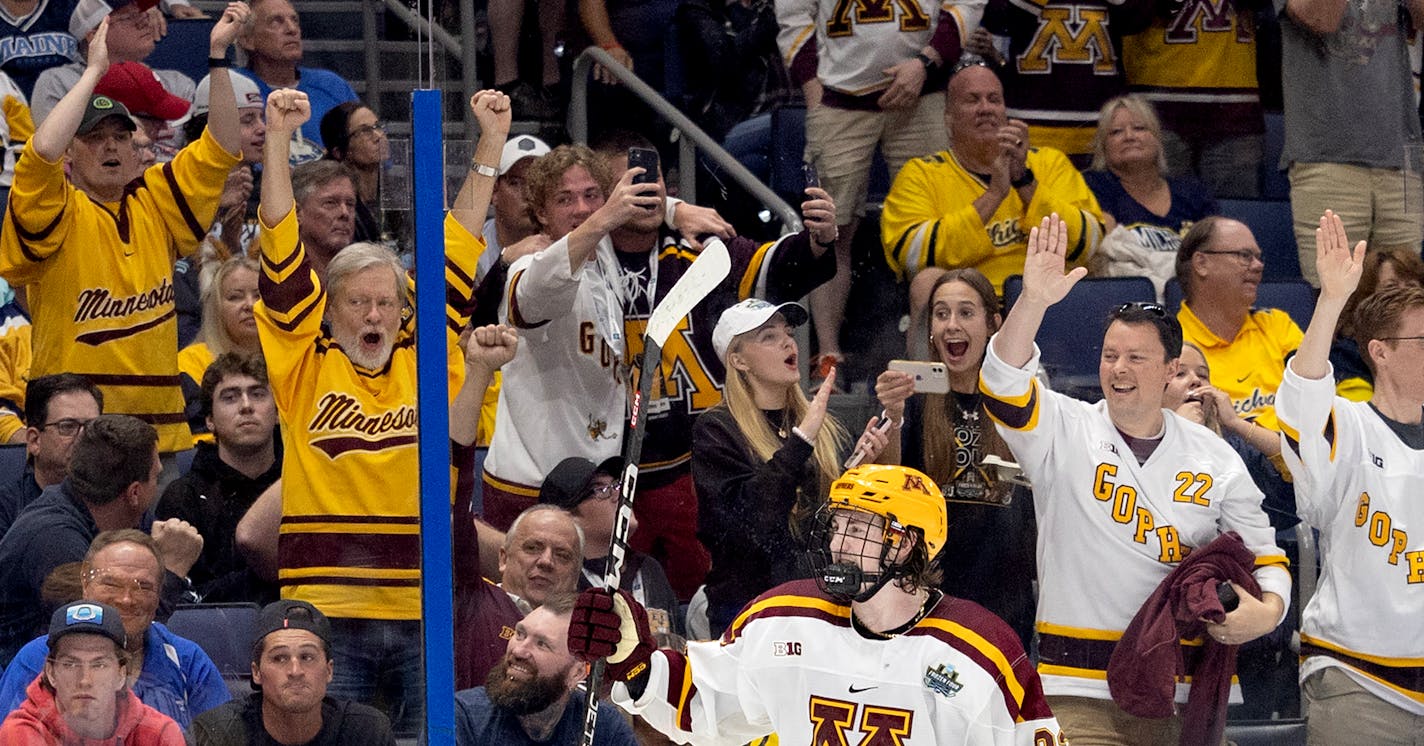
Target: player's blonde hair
(763, 442)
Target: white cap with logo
(519, 148)
(243, 88)
(748, 315)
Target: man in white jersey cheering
(1123, 491)
(1359, 472)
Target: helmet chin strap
(843, 580)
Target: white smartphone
(930, 378)
(882, 427)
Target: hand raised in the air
(287, 110)
(1339, 267)
(1044, 281)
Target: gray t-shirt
(1348, 94)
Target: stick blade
(705, 274)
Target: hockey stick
(705, 274)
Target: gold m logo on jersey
(913, 482)
(683, 375)
(1070, 35)
(849, 12)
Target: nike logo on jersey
(1242, 379)
(857, 690)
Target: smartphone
(930, 378)
(647, 158)
(882, 427)
(1006, 471)
(813, 179)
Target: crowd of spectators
(207, 355)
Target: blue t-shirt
(178, 679)
(324, 88)
(478, 722)
(1190, 202)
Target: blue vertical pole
(437, 581)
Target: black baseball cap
(567, 485)
(100, 108)
(86, 618)
(293, 614)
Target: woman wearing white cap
(764, 459)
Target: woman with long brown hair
(989, 555)
(763, 460)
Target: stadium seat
(12, 463)
(1272, 225)
(1274, 183)
(223, 631)
(1295, 297)
(1071, 336)
(184, 48)
(1266, 732)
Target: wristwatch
(930, 65)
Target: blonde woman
(228, 326)
(763, 460)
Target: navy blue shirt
(1190, 202)
(478, 721)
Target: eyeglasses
(606, 492)
(1401, 339)
(118, 586)
(1152, 308)
(72, 667)
(967, 62)
(67, 427)
(367, 130)
(1245, 256)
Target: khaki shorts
(841, 143)
(1340, 711)
(1383, 206)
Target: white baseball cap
(519, 148)
(88, 14)
(248, 96)
(748, 315)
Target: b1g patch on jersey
(943, 680)
(783, 649)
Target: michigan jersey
(99, 276)
(350, 532)
(1360, 484)
(794, 663)
(929, 218)
(1098, 507)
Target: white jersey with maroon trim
(793, 664)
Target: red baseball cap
(134, 85)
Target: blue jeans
(378, 662)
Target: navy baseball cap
(86, 618)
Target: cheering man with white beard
(350, 541)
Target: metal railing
(691, 139)
(465, 48)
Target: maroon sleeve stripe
(182, 202)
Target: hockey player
(1359, 471)
(1123, 490)
(870, 648)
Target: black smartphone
(813, 179)
(1227, 595)
(647, 159)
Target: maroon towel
(1147, 661)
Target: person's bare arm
(287, 110)
(222, 117)
(258, 532)
(1320, 16)
(491, 110)
(56, 131)
(1339, 269)
(486, 350)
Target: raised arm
(491, 110)
(1044, 284)
(486, 350)
(57, 130)
(1339, 270)
(287, 110)
(222, 117)
(626, 202)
